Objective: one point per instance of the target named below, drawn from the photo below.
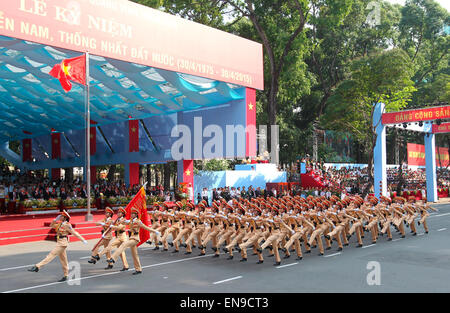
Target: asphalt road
(412, 264)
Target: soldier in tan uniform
(63, 228)
(119, 228)
(135, 224)
(107, 235)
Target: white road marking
(442, 229)
(225, 280)
(397, 239)
(330, 255)
(104, 274)
(439, 215)
(369, 246)
(17, 267)
(281, 266)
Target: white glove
(292, 232)
(85, 242)
(158, 233)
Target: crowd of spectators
(18, 187)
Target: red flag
(73, 69)
(139, 202)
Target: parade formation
(277, 224)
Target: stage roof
(32, 102)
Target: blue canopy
(32, 102)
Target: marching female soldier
(63, 228)
(135, 224)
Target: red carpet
(26, 228)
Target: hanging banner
(408, 116)
(416, 155)
(131, 32)
(443, 128)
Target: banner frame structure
(381, 120)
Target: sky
(443, 3)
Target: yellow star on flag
(133, 129)
(250, 106)
(188, 173)
(66, 69)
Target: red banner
(133, 131)
(26, 150)
(250, 146)
(140, 202)
(56, 145)
(416, 155)
(134, 173)
(132, 32)
(443, 128)
(93, 140)
(409, 116)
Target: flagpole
(89, 216)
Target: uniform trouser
(105, 243)
(226, 235)
(295, 239)
(398, 222)
(386, 227)
(372, 226)
(211, 235)
(356, 228)
(183, 233)
(316, 234)
(196, 233)
(132, 244)
(238, 239)
(157, 238)
(336, 233)
(423, 221)
(153, 236)
(273, 240)
(116, 243)
(410, 221)
(59, 250)
(171, 230)
(252, 240)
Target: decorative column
(250, 133)
(132, 169)
(27, 150)
(185, 171)
(379, 153)
(56, 154)
(430, 162)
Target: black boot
(137, 272)
(124, 269)
(230, 257)
(243, 260)
(33, 269)
(276, 263)
(260, 262)
(63, 279)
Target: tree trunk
(149, 175)
(111, 172)
(167, 176)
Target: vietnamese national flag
(73, 69)
(139, 202)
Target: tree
(382, 77)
